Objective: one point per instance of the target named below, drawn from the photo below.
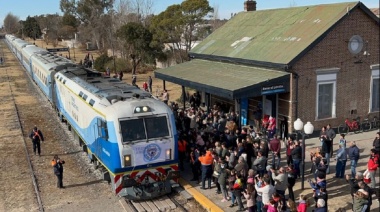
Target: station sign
(272, 89)
(58, 50)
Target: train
(122, 128)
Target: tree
(194, 12)
(31, 28)
(70, 20)
(50, 24)
(180, 25)
(91, 13)
(11, 23)
(168, 27)
(138, 43)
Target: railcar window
(92, 102)
(133, 130)
(156, 127)
(85, 97)
(64, 81)
(80, 93)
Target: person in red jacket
(302, 206)
(182, 147)
(372, 165)
(145, 86)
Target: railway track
(165, 203)
(20, 127)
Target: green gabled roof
(274, 36)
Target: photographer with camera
(57, 164)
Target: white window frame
(375, 74)
(326, 76)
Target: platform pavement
(338, 190)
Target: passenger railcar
(122, 128)
(10, 39)
(19, 44)
(43, 66)
(27, 53)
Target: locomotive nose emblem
(151, 152)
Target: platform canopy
(225, 79)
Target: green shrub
(121, 65)
(101, 61)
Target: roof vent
(136, 95)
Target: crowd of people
(244, 163)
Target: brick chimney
(249, 5)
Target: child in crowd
(302, 207)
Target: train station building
(318, 63)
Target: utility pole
(112, 45)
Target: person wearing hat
(360, 201)
(37, 137)
(368, 192)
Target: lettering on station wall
(272, 89)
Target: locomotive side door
(101, 135)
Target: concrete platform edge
(199, 197)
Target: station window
(375, 89)
(326, 93)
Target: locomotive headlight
(127, 160)
(168, 154)
(142, 109)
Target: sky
(23, 8)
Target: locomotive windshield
(144, 128)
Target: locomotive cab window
(144, 128)
(156, 127)
(133, 130)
